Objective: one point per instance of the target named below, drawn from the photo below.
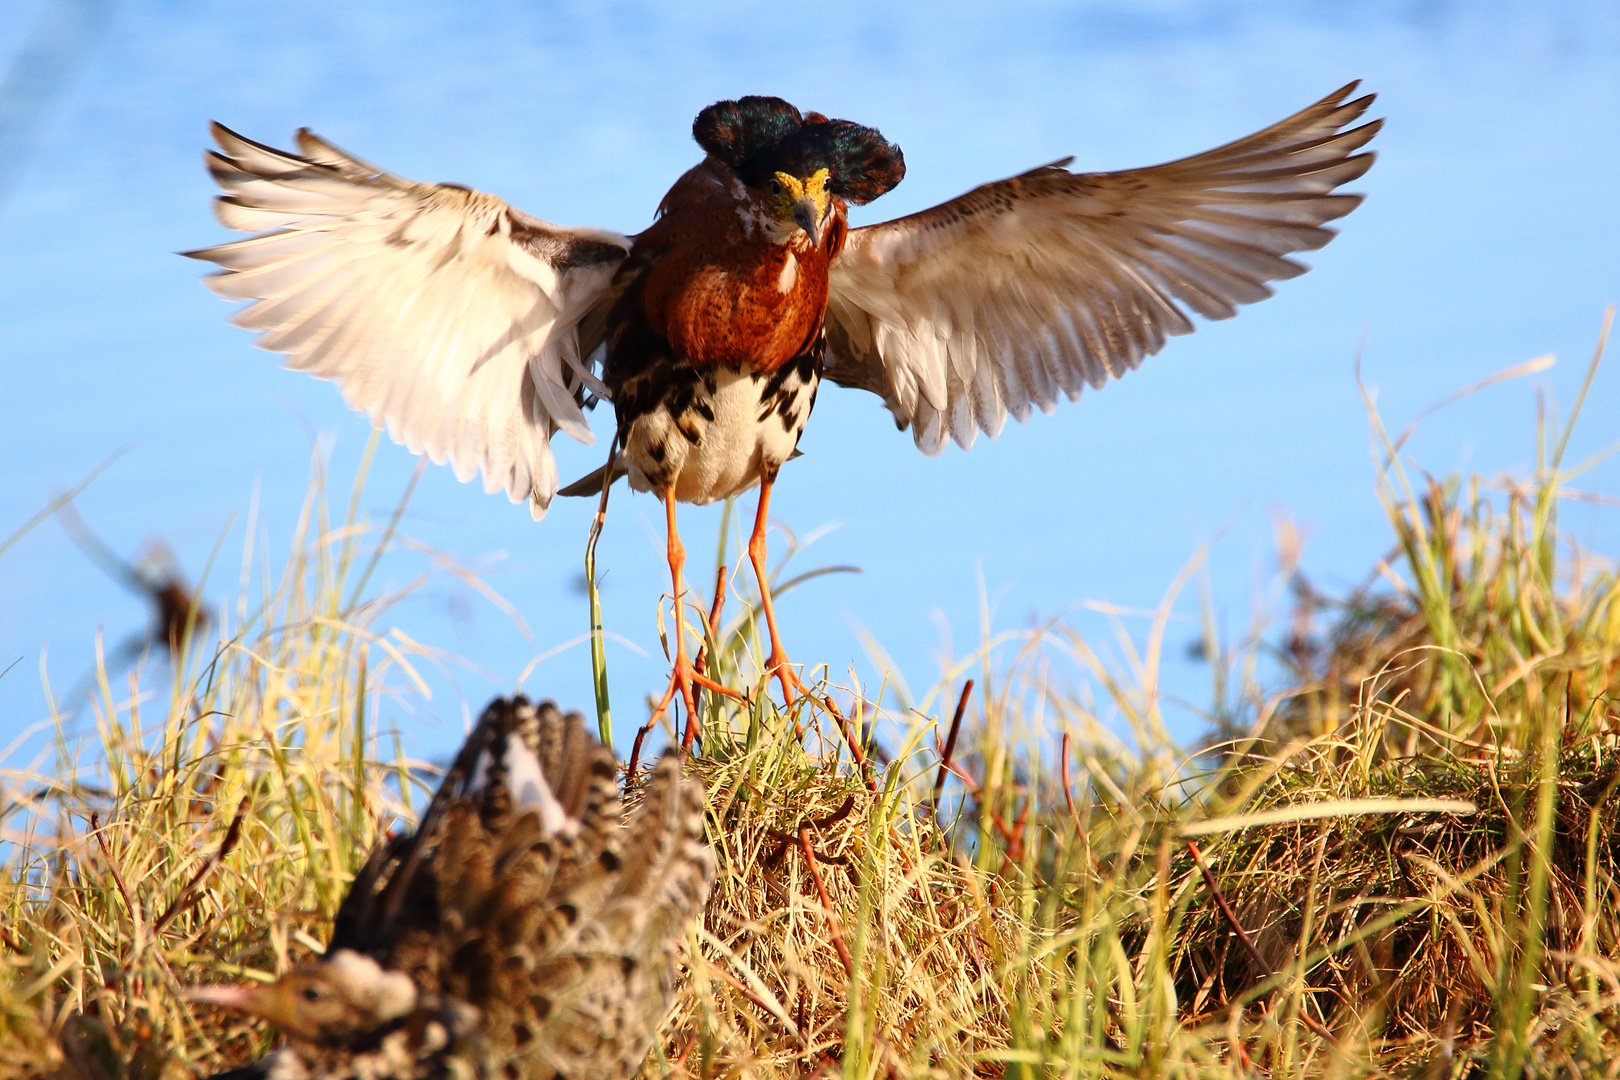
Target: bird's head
(803, 164)
(328, 1000)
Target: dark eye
(312, 993)
(776, 186)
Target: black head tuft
(734, 131)
(760, 136)
(865, 164)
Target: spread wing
(1045, 282)
(442, 313)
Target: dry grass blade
(1338, 808)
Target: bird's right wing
(442, 313)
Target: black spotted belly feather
(715, 432)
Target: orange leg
(685, 677)
(778, 663)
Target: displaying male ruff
(518, 934)
(474, 332)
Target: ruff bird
(474, 332)
(518, 934)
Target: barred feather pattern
(537, 951)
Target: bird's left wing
(444, 314)
(1037, 285)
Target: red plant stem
(785, 839)
(961, 774)
(186, 898)
(1316, 1026)
(1017, 851)
(852, 741)
(118, 878)
(1068, 793)
(836, 816)
(701, 663)
(950, 740)
(826, 904)
(1227, 913)
(1013, 836)
(737, 985)
(635, 748)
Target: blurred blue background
(1489, 236)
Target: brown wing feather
(1042, 283)
(602, 992)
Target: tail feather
(591, 483)
(609, 980)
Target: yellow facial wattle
(791, 191)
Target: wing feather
(1051, 280)
(446, 316)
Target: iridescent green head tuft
(762, 136)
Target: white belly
(736, 429)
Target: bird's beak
(255, 999)
(807, 216)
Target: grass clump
(215, 825)
(1397, 858)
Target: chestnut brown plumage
(518, 934)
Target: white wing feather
(442, 313)
(1046, 282)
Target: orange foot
(685, 679)
(777, 664)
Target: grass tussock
(1396, 857)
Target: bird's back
(540, 935)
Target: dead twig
(818, 824)
(950, 742)
(187, 898)
(833, 926)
